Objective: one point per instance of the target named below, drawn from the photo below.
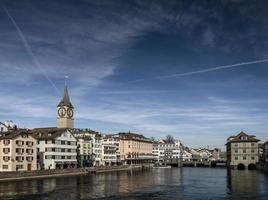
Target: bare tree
(170, 139)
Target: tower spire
(65, 101)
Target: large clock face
(70, 112)
(61, 111)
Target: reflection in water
(19, 188)
(175, 183)
(246, 184)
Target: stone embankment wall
(39, 173)
(4, 176)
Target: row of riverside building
(64, 146)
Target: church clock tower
(65, 111)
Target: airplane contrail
(201, 71)
(29, 49)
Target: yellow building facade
(18, 152)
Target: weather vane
(66, 77)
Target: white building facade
(109, 156)
(56, 148)
(111, 142)
(7, 126)
(167, 152)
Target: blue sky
(114, 53)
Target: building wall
(62, 149)
(21, 154)
(65, 121)
(135, 149)
(169, 152)
(109, 156)
(85, 146)
(3, 128)
(96, 140)
(84, 151)
(115, 142)
(266, 152)
(96, 148)
(242, 153)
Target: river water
(174, 183)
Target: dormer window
(244, 138)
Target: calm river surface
(175, 183)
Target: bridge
(195, 163)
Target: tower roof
(65, 101)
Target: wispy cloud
(222, 67)
(88, 39)
(29, 49)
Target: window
(252, 151)
(19, 158)
(252, 158)
(29, 151)
(48, 157)
(6, 158)
(62, 142)
(6, 150)
(252, 144)
(49, 142)
(28, 143)
(19, 142)
(5, 166)
(19, 151)
(6, 142)
(244, 150)
(236, 151)
(19, 166)
(29, 158)
(244, 157)
(236, 158)
(244, 138)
